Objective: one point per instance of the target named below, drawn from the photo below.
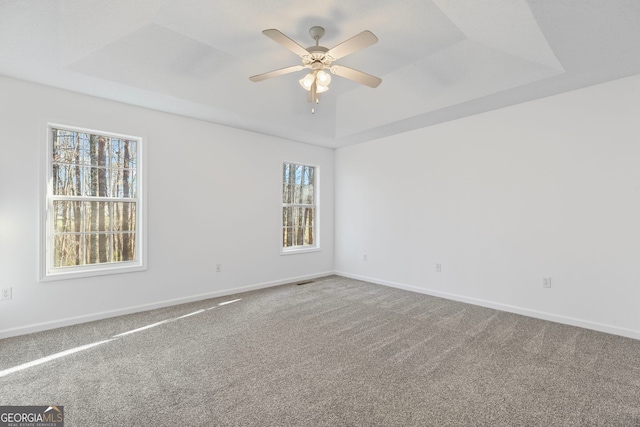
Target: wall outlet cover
(5, 293)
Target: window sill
(102, 270)
(299, 250)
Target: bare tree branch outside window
(298, 205)
(94, 198)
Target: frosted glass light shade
(307, 81)
(323, 78)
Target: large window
(93, 203)
(299, 207)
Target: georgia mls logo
(31, 416)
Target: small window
(299, 207)
(93, 204)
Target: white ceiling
(438, 59)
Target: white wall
(547, 188)
(214, 196)
(502, 199)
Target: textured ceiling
(439, 59)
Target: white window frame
(316, 205)
(47, 270)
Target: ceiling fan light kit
(318, 59)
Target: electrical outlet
(5, 293)
(439, 268)
(546, 282)
(218, 268)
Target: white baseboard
(39, 327)
(566, 320)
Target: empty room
(331, 213)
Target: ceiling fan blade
(355, 43)
(276, 73)
(285, 41)
(356, 76)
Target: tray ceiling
(439, 59)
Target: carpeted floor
(335, 352)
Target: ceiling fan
(318, 58)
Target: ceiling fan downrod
(316, 33)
